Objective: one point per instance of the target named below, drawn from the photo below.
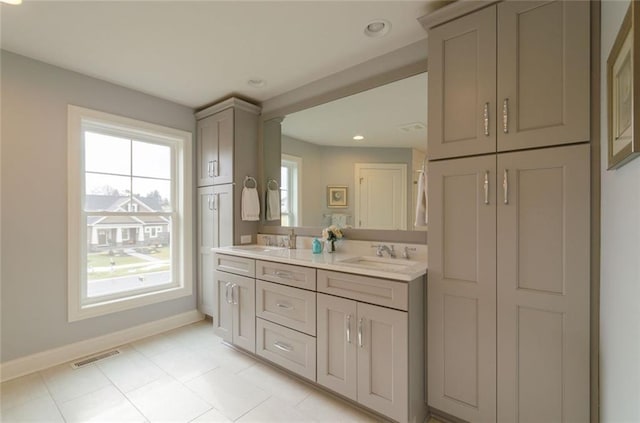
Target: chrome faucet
(381, 248)
(405, 253)
(292, 240)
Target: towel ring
(272, 181)
(250, 179)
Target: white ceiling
(197, 52)
(378, 115)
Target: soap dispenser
(316, 246)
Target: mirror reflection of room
(355, 162)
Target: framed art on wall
(623, 92)
(337, 196)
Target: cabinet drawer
(237, 265)
(363, 288)
(291, 307)
(286, 274)
(285, 347)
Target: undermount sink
(256, 248)
(378, 263)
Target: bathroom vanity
(353, 324)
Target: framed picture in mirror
(337, 196)
(623, 91)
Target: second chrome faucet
(382, 248)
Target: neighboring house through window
(129, 213)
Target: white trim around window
(294, 164)
(79, 305)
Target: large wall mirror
(353, 162)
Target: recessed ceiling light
(11, 1)
(377, 28)
(257, 82)
(358, 137)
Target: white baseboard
(42, 360)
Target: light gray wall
(329, 165)
(35, 96)
(620, 261)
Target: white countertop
(327, 261)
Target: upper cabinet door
(215, 149)
(205, 146)
(223, 167)
(543, 73)
(462, 86)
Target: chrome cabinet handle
(505, 115)
(215, 199)
(210, 201)
(349, 328)
(505, 186)
(285, 306)
(486, 187)
(283, 274)
(210, 169)
(215, 168)
(360, 344)
(234, 297)
(226, 293)
(485, 116)
(282, 346)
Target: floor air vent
(92, 359)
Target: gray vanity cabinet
(511, 76)
(508, 293)
(372, 354)
(234, 318)
(363, 354)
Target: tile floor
(184, 375)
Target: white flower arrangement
(332, 233)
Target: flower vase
(331, 246)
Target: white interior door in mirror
(381, 195)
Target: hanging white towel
(421, 203)
(250, 204)
(273, 204)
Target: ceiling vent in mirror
(411, 127)
(257, 82)
(377, 28)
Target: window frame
(80, 306)
(294, 186)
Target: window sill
(113, 306)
